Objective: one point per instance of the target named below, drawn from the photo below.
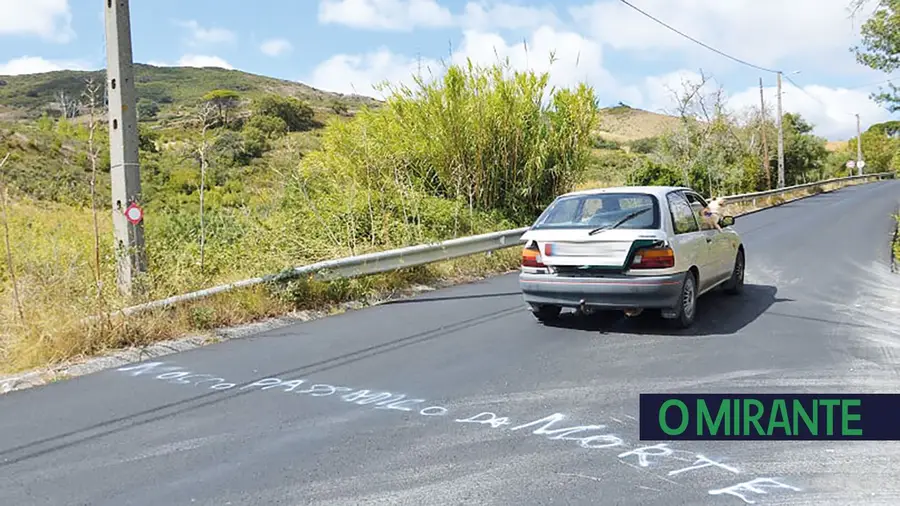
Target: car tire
(735, 285)
(545, 313)
(686, 310)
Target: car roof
(658, 191)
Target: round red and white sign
(134, 214)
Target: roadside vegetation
(277, 192)
(896, 247)
(285, 175)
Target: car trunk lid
(606, 250)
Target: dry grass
(53, 251)
(626, 124)
(833, 146)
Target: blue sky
(347, 45)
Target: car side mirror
(726, 221)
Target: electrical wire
(873, 84)
(808, 94)
(726, 55)
(743, 62)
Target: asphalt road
(821, 313)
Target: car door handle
(709, 239)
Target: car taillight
(653, 258)
(531, 256)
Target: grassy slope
(836, 145)
(176, 89)
(179, 89)
(624, 124)
(44, 167)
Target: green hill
(173, 89)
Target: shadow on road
(717, 314)
(457, 297)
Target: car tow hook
(582, 307)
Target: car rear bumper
(608, 292)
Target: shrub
(272, 126)
(489, 138)
(296, 115)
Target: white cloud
(407, 15)
(830, 110)
(37, 65)
(660, 93)
(394, 15)
(198, 35)
(199, 60)
(763, 32)
(48, 19)
(194, 60)
(576, 60)
(486, 15)
(275, 47)
(358, 74)
(806, 34)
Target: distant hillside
(836, 145)
(623, 124)
(173, 89)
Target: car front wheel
(735, 285)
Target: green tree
(147, 109)
(272, 126)
(645, 146)
(339, 108)
(297, 115)
(804, 153)
(881, 46)
(879, 146)
(223, 101)
(147, 139)
(654, 173)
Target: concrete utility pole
(762, 128)
(780, 121)
(858, 148)
(123, 145)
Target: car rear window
(601, 210)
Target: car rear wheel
(686, 310)
(735, 285)
(546, 312)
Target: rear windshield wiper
(620, 222)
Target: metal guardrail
(735, 199)
(361, 265)
(384, 261)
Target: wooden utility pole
(780, 120)
(762, 128)
(125, 170)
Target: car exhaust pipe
(632, 312)
(582, 307)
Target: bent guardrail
(360, 265)
(412, 256)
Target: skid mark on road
(662, 461)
